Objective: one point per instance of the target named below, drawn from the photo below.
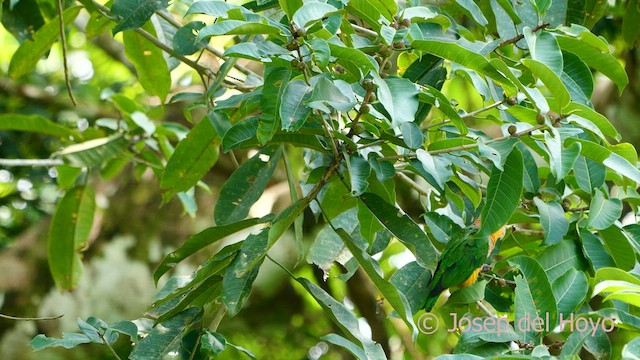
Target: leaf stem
(63, 43)
(520, 36)
(31, 162)
(115, 354)
(412, 184)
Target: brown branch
(520, 36)
(17, 318)
(63, 42)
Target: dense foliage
(453, 112)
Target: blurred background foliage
(134, 230)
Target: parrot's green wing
(464, 253)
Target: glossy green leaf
(134, 14)
(359, 171)
(199, 241)
(34, 123)
(594, 250)
(472, 10)
(618, 246)
(632, 349)
(412, 280)
(544, 49)
(371, 10)
(608, 158)
(239, 277)
(589, 174)
(354, 349)
(271, 101)
(438, 167)
(68, 235)
(603, 212)
(166, 336)
(312, 11)
(353, 60)
(604, 62)
(343, 318)
(245, 186)
(570, 291)
(399, 97)
(402, 227)
(94, 152)
(533, 296)
(552, 219)
(237, 27)
(68, 341)
(393, 295)
(432, 96)
(458, 54)
(600, 121)
(185, 42)
(147, 58)
(503, 193)
(412, 135)
(293, 110)
(550, 80)
(559, 258)
(25, 59)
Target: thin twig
(364, 30)
(31, 162)
(481, 110)
(104, 339)
(467, 146)
(412, 184)
(175, 23)
(63, 42)
(520, 36)
(485, 309)
(9, 317)
(497, 278)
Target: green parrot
(460, 262)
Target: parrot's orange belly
(472, 279)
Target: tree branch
(31, 162)
(520, 36)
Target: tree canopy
(364, 132)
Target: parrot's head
(493, 238)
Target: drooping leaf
(570, 291)
(134, 13)
(608, 158)
(271, 101)
(68, 235)
(312, 11)
(25, 59)
(199, 241)
(166, 336)
(68, 341)
(35, 123)
(245, 186)
(618, 246)
(534, 296)
(404, 228)
(94, 152)
(603, 212)
(595, 251)
(192, 159)
(503, 193)
(293, 110)
(552, 219)
(148, 60)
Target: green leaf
(434, 97)
(293, 110)
(533, 297)
(603, 61)
(185, 42)
(25, 59)
(603, 212)
(271, 101)
(166, 336)
(284, 219)
(290, 6)
(558, 259)
(192, 159)
(240, 133)
(327, 247)
(199, 241)
(437, 166)
(311, 12)
(632, 349)
(399, 96)
(403, 228)
(458, 54)
(35, 123)
(578, 72)
(573, 345)
(562, 159)
(149, 62)
(346, 344)
(589, 174)
(412, 280)
(617, 244)
(472, 10)
(550, 80)
(594, 250)
(553, 221)
(343, 318)
(95, 152)
(371, 10)
(608, 158)
(239, 277)
(245, 186)
(359, 171)
(396, 299)
(601, 122)
(412, 135)
(68, 235)
(68, 341)
(570, 291)
(237, 27)
(321, 51)
(544, 49)
(134, 14)
(503, 193)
